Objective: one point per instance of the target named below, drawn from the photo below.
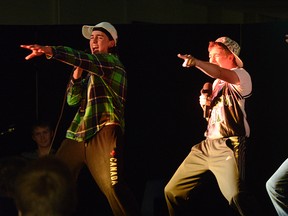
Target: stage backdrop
(163, 116)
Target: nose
(94, 40)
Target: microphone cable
(61, 111)
(63, 106)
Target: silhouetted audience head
(45, 187)
(10, 167)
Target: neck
(43, 151)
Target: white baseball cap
(105, 27)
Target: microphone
(207, 92)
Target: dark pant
(103, 157)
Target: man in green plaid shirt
(95, 136)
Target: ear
(231, 57)
(111, 43)
(52, 133)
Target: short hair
(45, 187)
(10, 167)
(42, 124)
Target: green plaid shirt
(103, 91)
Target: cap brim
(238, 60)
(87, 31)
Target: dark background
(163, 116)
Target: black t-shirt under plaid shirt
(105, 89)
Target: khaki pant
(213, 155)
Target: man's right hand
(37, 50)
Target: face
(42, 136)
(100, 43)
(220, 57)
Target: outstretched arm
(212, 70)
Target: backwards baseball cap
(105, 27)
(234, 48)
